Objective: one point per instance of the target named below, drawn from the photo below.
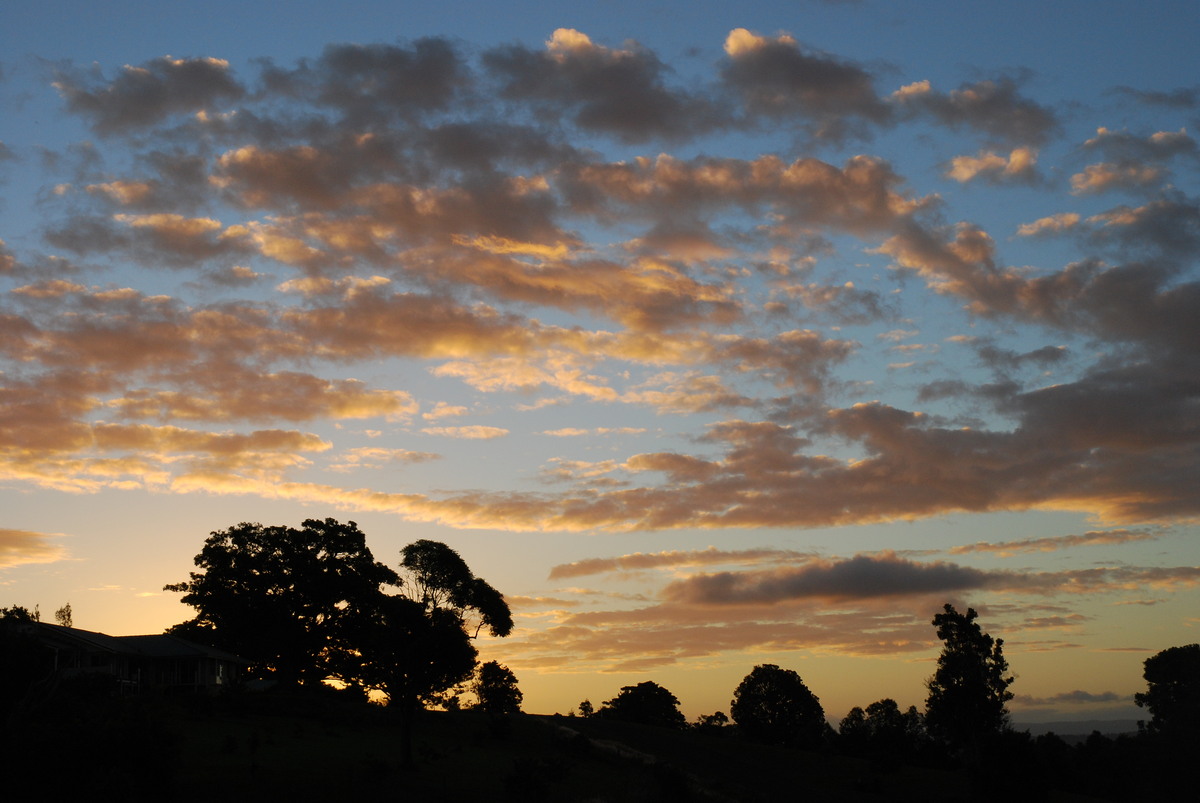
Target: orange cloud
(18, 547)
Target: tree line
(311, 604)
(965, 723)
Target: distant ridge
(1079, 727)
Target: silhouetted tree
(715, 723)
(496, 689)
(968, 692)
(586, 709)
(63, 615)
(647, 703)
(416, 644)
(24, 662)
(773, 706)
(440, 579)
(882, 730)
(279, 596)
(1173, 692)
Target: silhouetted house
(162, 663)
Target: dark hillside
(324, 747)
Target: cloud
(374, 85)
(470, 432)
(1181, 98)
(141, 96)
(288, 396)
(1019, 165)
(374, 457)
(994, 108)
(19, 547)
(640, 639)
(887, 575)
(845, 304)
(1105, 176)
(444, 410)
(1052, 224)
(1076, 697)
(1122, 146)
(575, 432)
(774, 77)
(546, 225)
(1054, 543)
(856, 578)
(673, 558)
(619, 92)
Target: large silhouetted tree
(1173, 692)
(773, 706)
(279, 596)
(647, 703)
(311, 604)
(416, 644)
(969, 690)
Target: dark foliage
(969, 690)
(1173, 692)
(496, 689)
(439, 579)
(26, 667)
(279, 596)
(311, 604)
(773, 706)
(647, 703)
(715, 724)
(883, 732)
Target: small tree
(773, 706)
(968, 692)
(647, 703)
(715, 723)
(1173, 692)
(63, 615)
(585, 709)
(496, 689)
(883, 729)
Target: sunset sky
(711, 336)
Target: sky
(710, 336)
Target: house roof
(83, 638)
(151, 646)
(164, 645)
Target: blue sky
(710, 336)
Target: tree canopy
(312, 604)
(969, 690)
(496, 689)
(439, 579)
(24, 662)
(882, 729)
(773, 706)
(279, 596)
(1173, 692)
(647, 703)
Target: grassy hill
(308, 749)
